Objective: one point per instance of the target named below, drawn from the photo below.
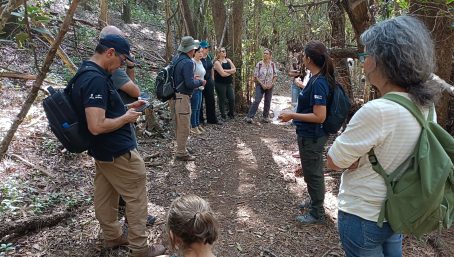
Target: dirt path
(244, 170)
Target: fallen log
(22, 226)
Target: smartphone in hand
(142, 108)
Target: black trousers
(210, 103)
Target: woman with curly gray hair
(398, 59)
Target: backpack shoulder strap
(274, 71)
(376, 166)
(409, 105)
(69, 87)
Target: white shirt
(393, 132)
(199, 70)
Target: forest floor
(246, 172)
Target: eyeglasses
(362, 57)
(122, 58)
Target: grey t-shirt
(119, 78)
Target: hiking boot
(150, 251)
(304, 205)
(115, 243)
(248, 120)
(265, 120)
(185, 158)
(307, 219)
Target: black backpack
(337, 109)
(64, 121)
(164, 85)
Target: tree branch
(39, 80)
(293, 6)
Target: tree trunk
(126, 13)
(438, 19)
(360, 19)
(219, 11)
(103, 8)
(169, 33)
(237, 57)
(187, 19)
(5, 12)
(39, 80)
(337, 20)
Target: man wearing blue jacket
(185, 84)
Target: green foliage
(140, 11)
(36, 14)
(11, 196)
(85, 35)
(6, 248)
(145, 80)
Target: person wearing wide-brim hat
(185, 83)
(208, 93)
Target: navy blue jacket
(184, 71)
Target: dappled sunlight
(192, 168)
(331, 205)
(249, 162)
(245, 155)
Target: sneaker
(265, 120)
(190, 150)
(201, 129)
(248, 120)
(304, 205)
(150, 251)
(115, 243)
(296, 154)
(151, 220)
(185, 158)
(195, 131)
(307, 219)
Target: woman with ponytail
(192, 227)
(308, 118)
(398, 60)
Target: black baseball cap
(119, 43)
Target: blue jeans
(295, 92)
(362, 237)
(196, 104)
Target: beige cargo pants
(124, 176)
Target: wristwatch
(130, 67)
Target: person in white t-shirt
(196, 99)
(398, 59)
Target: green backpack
(420, 192)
